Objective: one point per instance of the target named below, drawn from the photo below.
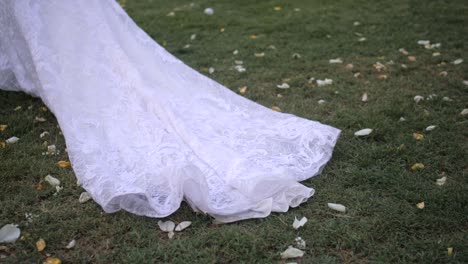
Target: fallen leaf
(430, 128)
(364, 97)
(363, 132)
(63, 164)
(441, 181)
(259, 55)
(450, 251)
(3, 127)
(292, 252)
(167, 226)
(9, 233)
(299, 223)
(181, 226)
(357, 75)
(243, 89)
(337, 207)
(71, 244)
(277, 109)
(40, 245)
(418, 136)
(84, 197)
(283, 86)
(50, 260)
(12, 140)
(379, 66)
(349, 66)
(417, 166)
(412, 58)
(420, 205)
(418, 98)
(2, 144)
(52, 180)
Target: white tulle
(143, 130)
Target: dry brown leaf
(3, 127)
(418, 136)
(50, 260)
(243, 89)
(40, 245)
(63, 164)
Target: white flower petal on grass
(170, 235)
(300, 243)
(209, 11)
(418, 98)
(430, 128)
(193, 36)
(84, 197)
(296, 56)
(238, 62)
(457, 61)
(240, 68)
(44, 134)
(363, 132)
(465, 82)
(337, 207)
(299, 223)
(464, 112)
(283, 86)
(402, 119)
(211, 70)
(435, 54)
(51, 150)
(441, 181)
(259, 55)
(12, 140)
(362, 39)
(423, 42)
(356, 23)
(170, 14)
(52, 180)
(181, 226)
(321, 101)
(337, 60)
(167, 226)
(235, 52)
(187, 46)
(292, 252)
(403, 51)
(324, 82)
(364, 97)
(40, 119)
(9, 233)
(71, 244)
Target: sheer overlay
(143, 130)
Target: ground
(370, 175)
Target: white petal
(71, 244)
(170, 235)
(193, 36)
(338, 60)
(84, 197)
(337, 207)
(441, 181)
(423, 42)
(209, 11)
(457, 61)
(321, 101)
(211, 70)
(324, 82)
(40, 119)
(430, 128)
(465, 82)
(300, 243)
(292, 252)
(464, 112)
(363, 132)
(447, 99)
(238, 62)
(418, 98)
(43, 134)
(167, 226)
(51, 149)
(181, 226)
(12, 140)
(235, 52)
(52, 180)
(299, 223)
(9, 233)
(402, 119)
(283, 86)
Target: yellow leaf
(418, 136)
(50, 260)
(63, 164)
(40, 245)
(243, 89)
(420, 205)
(275, 108)
(417, 166)
(450, 251)
(2, 144)
(278, 8)
(3, 127)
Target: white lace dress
(143, 130)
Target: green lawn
(371, 176)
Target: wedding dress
(144, 131)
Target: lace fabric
(143, 130)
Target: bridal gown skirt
(143, 130)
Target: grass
(371, 175)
